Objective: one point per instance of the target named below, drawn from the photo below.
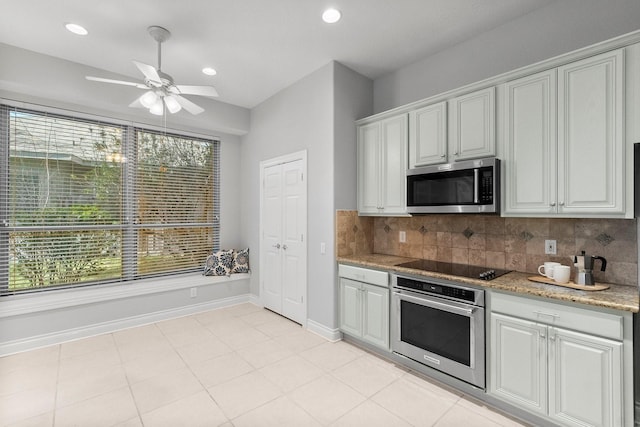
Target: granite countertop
(617, 297)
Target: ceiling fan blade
(119, 82)
(196, 90)
(149, 72)
(188, 105)
(137, 103)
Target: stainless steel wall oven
(440, 324)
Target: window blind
(87, 201)
(175, 210)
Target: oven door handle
(430, 302)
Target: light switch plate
(403, 237)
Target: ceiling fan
(162, 92)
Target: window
(87, 202)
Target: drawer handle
(542, 313)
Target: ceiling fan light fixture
(148, 99)
(172, 104)
(157, 108)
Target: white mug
(561, 273)
(548, 269)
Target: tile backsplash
(492, 241)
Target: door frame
(264, 164)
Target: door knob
(277, 246)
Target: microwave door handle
(476, 186)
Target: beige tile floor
(236, 366)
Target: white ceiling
(258, 47)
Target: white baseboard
(32, 343)
(323, 331)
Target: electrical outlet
(550, 247)
(403, 236)
(194, 292)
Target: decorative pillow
(240, 261)
(219, 263)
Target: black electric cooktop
(464, 270)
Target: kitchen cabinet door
(428, 135)
(394, 166)
(585, 387)
(382, 166)
(472, 125)
(530, 154)
(364, 312)
(375, 311)
(518, 362)
(350, 307)
(591, 164)
(369, 169)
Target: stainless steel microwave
(470, 186)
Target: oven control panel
(454, 292)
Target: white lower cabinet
(539, 363)
(364, 307)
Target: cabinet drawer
(375, 277)
(578, 319)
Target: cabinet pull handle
(277, 246)
(284, 247)
(552, 204)
(561, 203)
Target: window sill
(16, 305)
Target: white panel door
(271, 270)
(369, 169)
(350, 307)
(375, 315)
(394, 165)
(284, 253)
(518, 363)
(590, 135)
(428, 135)
(531, 145)
(585, 386)
(293, 248)
(472, 130)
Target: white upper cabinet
(428, 135)
(564, 141)
(591, 136)
(472, 125)
(382, 166)
(368, 168)
(530, 151)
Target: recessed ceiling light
(209, 71)
(331, 16)
(77, 29)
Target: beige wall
(492, 241)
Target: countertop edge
(617, 297)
